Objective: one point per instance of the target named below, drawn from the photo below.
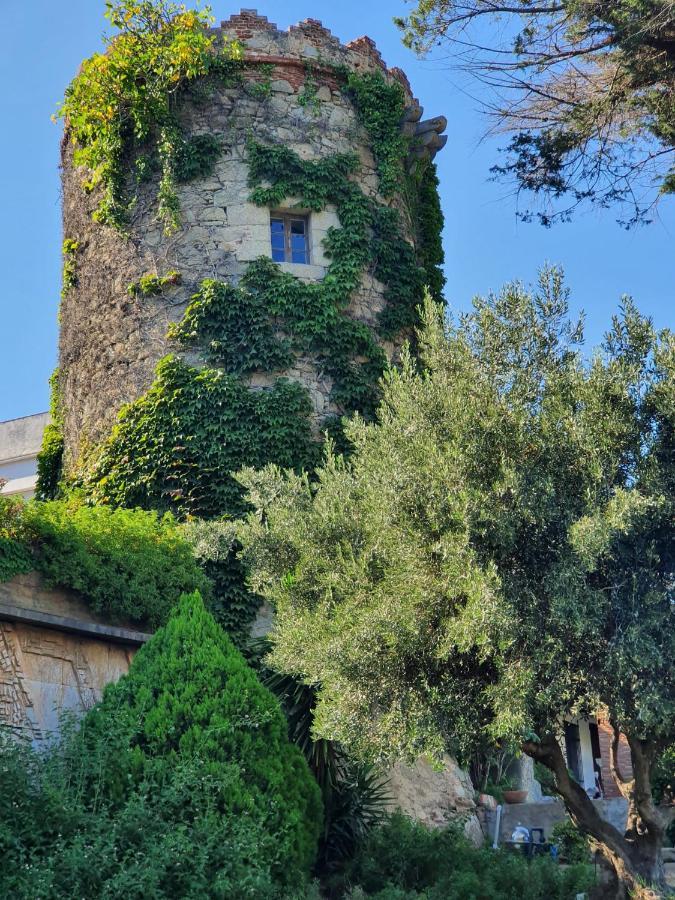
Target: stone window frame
(288, 217)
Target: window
(290, 238)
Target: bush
(128, 564)
(403, 860)
(572, 843)
(180, 783)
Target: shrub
(402, 860)
(572, 843)
(180, 783)
(129, 564)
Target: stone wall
(54, 655)
(111, 342)
(546, 815)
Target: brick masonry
(605, 734)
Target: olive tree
(497, 554)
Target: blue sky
(485, 246)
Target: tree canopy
(586, 89)
(498, 553)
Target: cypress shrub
(181, 782)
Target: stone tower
(291, 94)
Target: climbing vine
(176, 447)
(69, 251)
(429, 221)
(167, 451)
(122, 105)
(308, 98)
(380, 107)
(50, 457)
(150, 284)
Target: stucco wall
(20, 442)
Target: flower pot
(515, 796)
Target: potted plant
(514, 795)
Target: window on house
(290, 238)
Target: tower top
(307, 43)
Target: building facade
(20, 442)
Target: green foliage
(587, 91)
(308, 99)
(130, 565)
(180, 783)
(475, 570)
(663, 785)
(371, 235)
(50, 457)
(354, 794)
(151, 284)
(496, 555)
(663, 779)
(231, 326)
(429, 219)
(546, 779)
(176, 447)
(70, 250)
(380, 108)
(163, 454)
(215, 547)
(194, 157)
(123, 102)
(403, 860)
(261, 88)
(15, 556)
(572, 844)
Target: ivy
(429, 220)
(129, 565)
(69, 280)
(380, 107)
(371, 236)
(15, 557)
(50, 457)
(150, 284)
(261, 88)
(123, 103)
(308, 98)
(176, 447)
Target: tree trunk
(636, 855)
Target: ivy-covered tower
(251, 248)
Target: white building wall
(20, 442)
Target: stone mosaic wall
(110, 342)
(54, 656)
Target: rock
(282, 87)
(434, 796)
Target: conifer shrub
(181, 782)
